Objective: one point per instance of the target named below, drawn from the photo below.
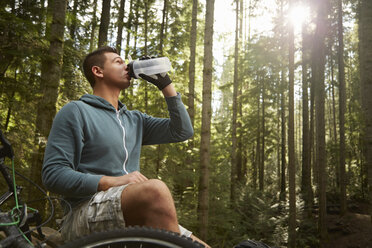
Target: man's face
(115, 71)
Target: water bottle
(149, 67)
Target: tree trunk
(283, 86)
(191, 96)
(319, 43)
(365, 37)
(283, 140)
(94, 25)
(146, 17)
(203, 205)
(262, 152)
(291, 142)
(306, 169)
(129, 27)
(104, 25)
(234, 109)
(193, 33)
(240, 159)
(145, 51)
(312, 124)
(162, 27)
(50, 76)
(342, 108)
(258, 144)
(120, 24)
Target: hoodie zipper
(125, 149)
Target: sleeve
(168, 130)
(62, 156)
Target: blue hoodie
(90, 138)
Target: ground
(354, 230)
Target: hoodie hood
(100, 102)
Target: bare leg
(200, 241)
(149, 203)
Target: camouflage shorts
(102, 212)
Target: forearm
(169, 91)
(66, 181)
(107, 182)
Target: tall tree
(319, 52)
(342, 106)
(94, 25)
(193, 34)
(365, 37)
(283, 139)
(235, 109)
(105, 21)
(241, 157)
(282, 113)
(261, 170)
(162, 28)
(306, 168)
(129, 28)
(203, 196)
(291, 139)
(50, 76)
(120, 24)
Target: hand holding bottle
(153, 70)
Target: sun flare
(298, 15)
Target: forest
(279, 93)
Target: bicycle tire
(133, 237)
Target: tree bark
(282, 114)
(104, 25)
(94, 25)
(129, 28)
(262, 152)
(258, 144)
(146, 17)
(283, 140)
(120, 24)
(234, 109)
(342, 107)
(319, 43)
(306, 169)
(162, 28)
(365, 38)
(193, 34)
(291, 141)
(203, 206)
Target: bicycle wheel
(133, 237)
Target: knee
(155, 191)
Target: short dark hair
(96, 58)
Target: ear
(97, 71)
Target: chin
(125, 85)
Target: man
(93, 150)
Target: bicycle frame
(14, 239)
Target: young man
(93, 151)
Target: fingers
(147, 78)
(137, 177)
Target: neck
(108, 93)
